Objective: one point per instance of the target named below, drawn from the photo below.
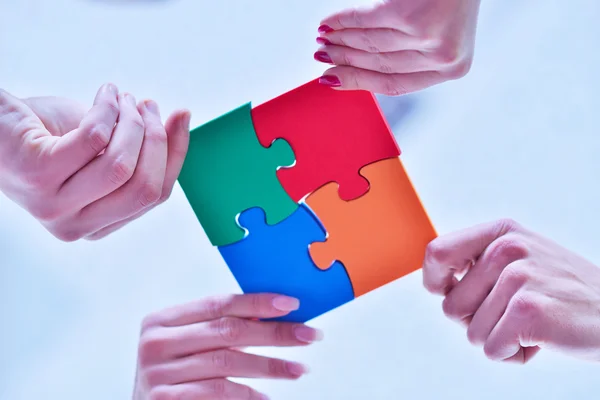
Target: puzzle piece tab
(378, 237)
(332, 133)
(275, 259)
(227, 171)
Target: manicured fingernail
(284, 303)
(323, 41)
(323, 57)
(152, 107)
(330, 80)
(308, 335)
(296, 369)
(325, 29)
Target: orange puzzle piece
(380, 236)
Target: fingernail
(323, 57)
(325, 29)
(284, 303)
(330, 80)
(296, 369)
(152, 107)
(323, 41)
(308, 335)
(264, 397)
(109, 87)
(130, 99)
(185, 121)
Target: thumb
(376, 16)
(17, 120)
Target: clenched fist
(398, 46)
(86, 173)
(519, 292)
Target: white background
(517, 137)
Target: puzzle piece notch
(332, 133)
(379, 237)
(275, 259)
(227, 171)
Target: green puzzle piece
(227, 171)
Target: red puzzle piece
(333, 134)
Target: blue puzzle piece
(275, 259)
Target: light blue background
(517, 137)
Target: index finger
(259, 306)
(453, 253)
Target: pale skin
(84, 173)
(190, 351)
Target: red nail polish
(330, 80)
(323, 41)
(323, 57)
(325, 29)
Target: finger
(226, 364)
(78, 147)
(262, 305)
(371, 40)
(377, 16)
(208, 390)
(17, 121)
(352, 78)
(144, 188)
(111, 170)
(512, 334)
(177, 129)
(451, 253)
(399, 62)
(495, 304)
(468, 294)
(234, 332)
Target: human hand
(398, 46)
(521, 292)
(189, 351)
(86, 173)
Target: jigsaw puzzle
(227, 171)
(378, 237)
(305, 195)
(275, 259)
(332, 133)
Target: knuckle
(508, 248)
(231, 329)
(122, 170)
(393, 88)
(66, 235)
(149, 194)
(460, 68)
(438, 252)
(276, 367)
(113, 108)
(218, 307)
(280, 333)
(45, 212)
(525, 306)
(218, 387)
(447, 54)
(367, 42)
(514, 275)
(154, 376)
(137, 123)
(151, 346)
(449, 308)
(346, 59)
(474, 336)
(356, 17)
(99, 137)
(222, 360)
(383, 64)
(507, 225)
(257, 304)
(150, 321)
